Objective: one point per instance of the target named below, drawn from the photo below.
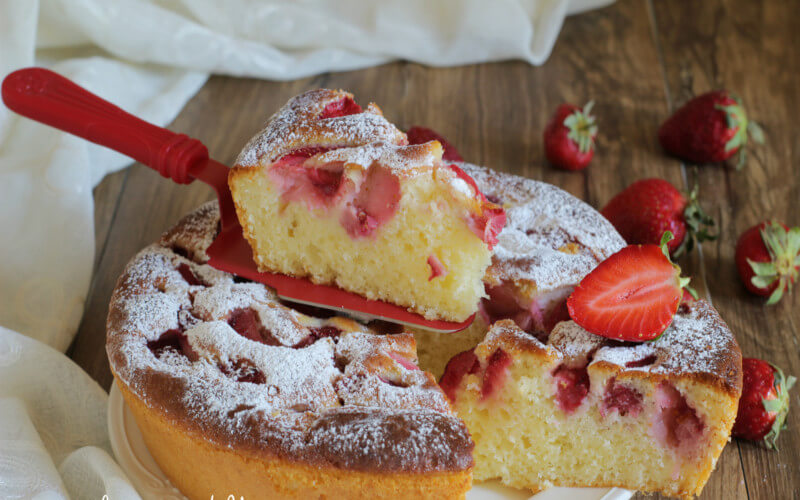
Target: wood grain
(750, 48)
(637, 59)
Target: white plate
(152, 484)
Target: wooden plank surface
(637, 59)
(752, 48)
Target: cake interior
(540, 421)
(423, 256)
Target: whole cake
(237, 393)
(334, 193)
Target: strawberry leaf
(582, 127)
(783, 247)
(698, 224)
(779, 405)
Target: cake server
(49, 98)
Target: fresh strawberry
(768, 259)
(569, 137)
(764, 403)
(421, 135)
(632, 295)
(709, 128)
(648, 208)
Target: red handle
(49, 98)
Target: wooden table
(638, 60)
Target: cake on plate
(238, 393)
(333, 193)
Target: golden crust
(200, 468)
(296, 126)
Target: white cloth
(149, 57)
(53, 437)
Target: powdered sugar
(551, 239)
(274, 398)
(296, 125)
(697, 342)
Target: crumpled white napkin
(53, 437)
(149, 57)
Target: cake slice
(334, 194)
(583, 410)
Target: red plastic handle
(49, 98)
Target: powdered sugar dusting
(296, 125)
(551, 239)
(282, 395)
(697, 342)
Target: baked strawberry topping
(491, 219)
(639, 363)
(496, 373)
(247, 324)
(503, 302)
(316, 187)
(374, 204)
(421, 135)
(188, 275)
(437, 268)
(676, 424)
(572, 386)
(556, 315)
(316, 334)
(403, 361)
(172, 340)
(342, 107)
(622, 399)
(457, 368)
(243, 371)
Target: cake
(582, 410)
(550, 241)
(550, 404)
(333, 193)
(238, 393)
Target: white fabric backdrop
(149, 57)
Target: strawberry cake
(582, 410)
(334, 193)
(550, 404)
(238, 393)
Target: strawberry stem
(698, 223)
(779, 406)
(784, 250)
(582, 127)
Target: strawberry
(632, 295)
(421, 135)
(709, 128)
(648, 208)
(569, 137)
(768, 259)
(764, 403)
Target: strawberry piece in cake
(334, 193)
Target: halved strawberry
(632, 295)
